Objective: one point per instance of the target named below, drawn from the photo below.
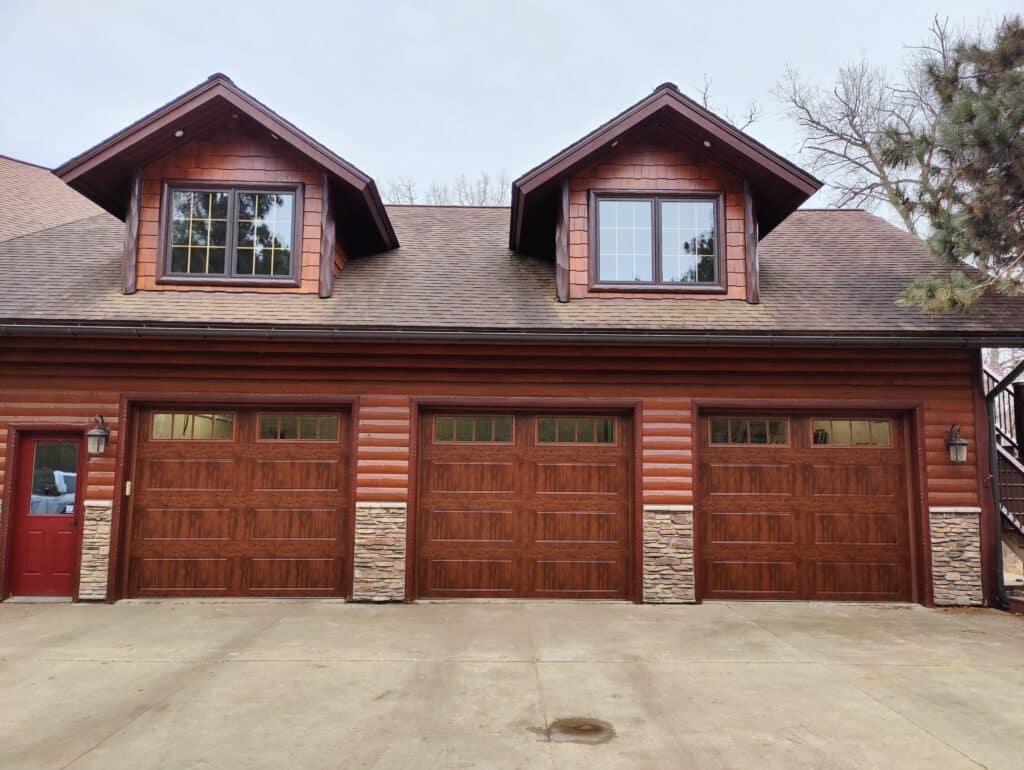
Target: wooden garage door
(804, 507)
(524, 506)
(239, 502)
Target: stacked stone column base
(956, 555)
(668, 554)
(378, 559)
(95, 563)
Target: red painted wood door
(46, 517)
(524, 506)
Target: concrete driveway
(321, 684)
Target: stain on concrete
(580, 730)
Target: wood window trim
(614, 422)
(151, 430)
(298, 414)
(719, 286)
(862, 418)
(472, 416)
(767, 419)
(163, 274)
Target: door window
(54, 478)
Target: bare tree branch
(400, 190)
(482, 190)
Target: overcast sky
(430, 90)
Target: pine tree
(972, 164)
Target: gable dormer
(218, 192)
(664, 200)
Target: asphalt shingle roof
(829, 272)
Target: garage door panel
(182, 576)
(575, 478)
(296, 475)
(868, 580)
(471, 525)
(854, 480)
(765, 527)
(472, 576)
(188, 475)
(240, 516)
(527, 516)
(287, 524)
(804, 521)
(756, 579)
(578, 527)
(468, 476)
(188, 524)
(300, 575)
(734, 479)
(578, 577)
(857, 528)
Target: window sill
(182, 280)
(660, 288)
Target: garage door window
(842, 432)
(193, 426)
(298, 427)
(748, 431)
(575, 430)
(478, 429)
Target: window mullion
(656, 240)
(231, 258)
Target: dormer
(220, 193)
(664, 200)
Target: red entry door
(46, 516)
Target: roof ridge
(100, 215)
(25, 162)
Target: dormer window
(231, 234)
(657, 241)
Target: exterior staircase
(1008, 426)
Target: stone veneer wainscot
(956, 555)
(668, 554)
(92, 582)
(378, 559)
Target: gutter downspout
(993, 469)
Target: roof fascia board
(704, 120)
(881, 339)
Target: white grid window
(625, 240)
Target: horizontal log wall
(238, 153)
(61, 381)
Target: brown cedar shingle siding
(821, 271)
(644, 166)
(232, 154)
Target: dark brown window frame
(163, 255)
(719, 286)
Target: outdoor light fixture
(956, 444)
(179, 133)
(96, 438)
(707, 143)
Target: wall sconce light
(96, 438)
(956, 444)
